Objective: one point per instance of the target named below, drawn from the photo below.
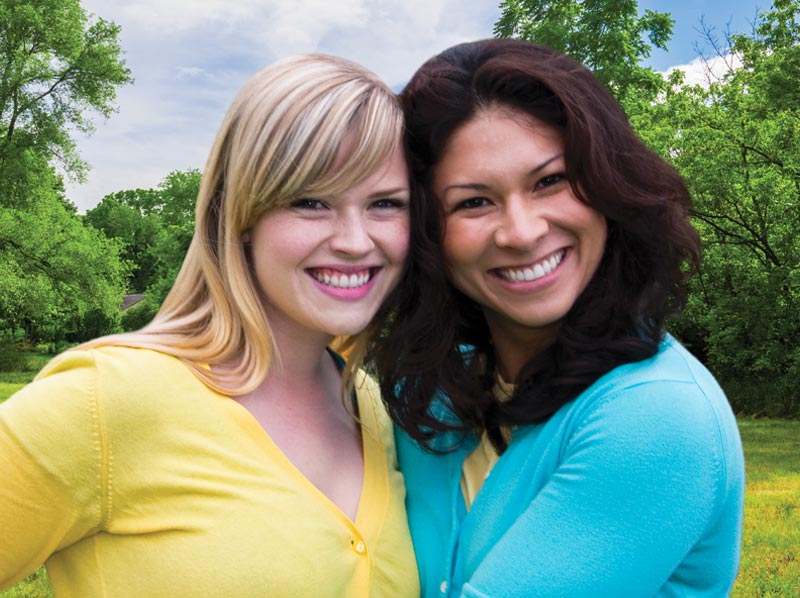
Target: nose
(352, 235)
(521, 224)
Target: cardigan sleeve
(642, 477)
(53, 465)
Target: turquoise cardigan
(635, 488)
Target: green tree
(59, 280)
(608, 36)
(154, 228)
(56, 65)
(737, 143)
(120, 217)
(178, 193)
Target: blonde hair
(278, 142)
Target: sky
(189, 58)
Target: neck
(515, 346)
(302, 371)
(302, 357)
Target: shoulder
(666, 412)
(107, 370)
(120, 385)
(113, 360)
(672, 375)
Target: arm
(51, 464)
(640, 478)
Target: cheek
(598, 232)
(461, 252)
(460, 246)
(396, 241)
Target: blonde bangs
(297, 151)
(377, 134)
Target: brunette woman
(556, 440)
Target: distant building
(131, 300)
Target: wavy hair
(277, 142)
(437, 340)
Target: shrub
(12, 359)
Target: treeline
(734, 139)
(60, 280)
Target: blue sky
(190, 57)
(738, 15)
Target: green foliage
(737, 143)
(59, 279)
(11, 358)
(57, 64)
(154, 227)
(139, 315)
(608, 36)
(119, 218)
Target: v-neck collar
(374, 497)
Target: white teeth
(341, 281)
(530, 273)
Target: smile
(534, 271)
(341, 280)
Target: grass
(770, 566)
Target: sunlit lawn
(771, 544)
(770, 566)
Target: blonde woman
(224, 450)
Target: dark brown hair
(437, 340)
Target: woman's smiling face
(517, 240)
(325, 265)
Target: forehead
(498, 140)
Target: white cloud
(190, 72)
(190, 57)
(701, 71)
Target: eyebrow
(387, 192)
(482, 187)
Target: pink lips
(344, 283)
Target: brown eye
(471, 203)
(551, 179)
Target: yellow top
(129, 477)
(479, 463)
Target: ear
(246, 237)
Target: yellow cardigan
(129, 477)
